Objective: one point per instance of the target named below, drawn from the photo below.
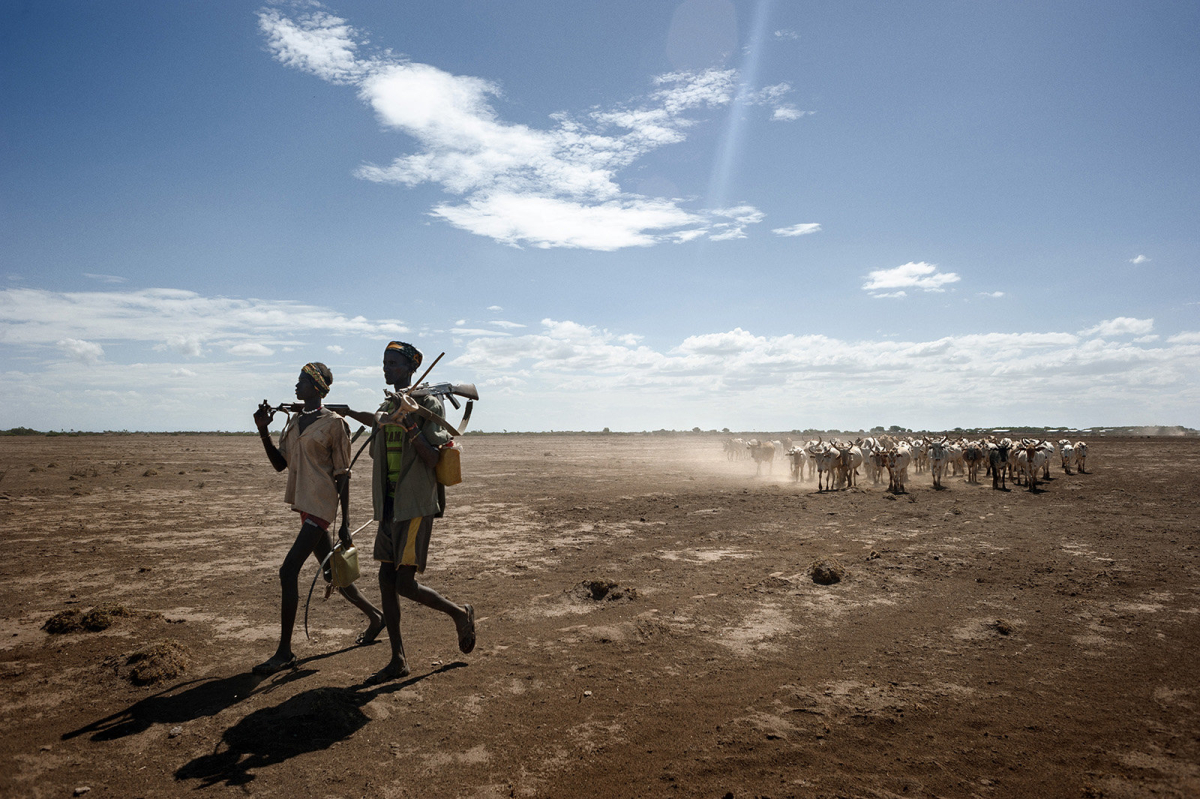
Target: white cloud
(568, 375)
(891, 294)
(787, 113)
(494, 308)
(1190, 337)
(32, 316)
(335, 349)
(105, 278)
(506, 325)
(251, 348)
(801, 229)
(993, 294)
(910, 275)
(82, 351)
(786, 34)
(318, 43)
(1121, 326)
(1141, 259)
(515, 183)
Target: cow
(1081, 456)
(797, 457)
(973, 454)
(846, 463)
(763, 452)
(1030, 458)
(1048, 448)
(872, 454)
(897, 460)
(998, 463)
(939, 456)
(1066, 450)
(823, 456)
(735, 449)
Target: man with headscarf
(407, 499)
(315, 449)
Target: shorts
(404, 543)
(308, 518)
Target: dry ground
(981, 644)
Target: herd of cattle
(836, 463)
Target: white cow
(823, 456)
(1081, 456)
(897, 460)
(1066, 450)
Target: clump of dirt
(158, 661)
(602, 591)
(827, 572)
(66, 621)
(149, 472)
(101, 617)
(1003, 627)
(95, 619)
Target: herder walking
(407, 500)
(315, 449)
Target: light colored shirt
(314, 457)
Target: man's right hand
(263, 417)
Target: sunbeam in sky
(733, 138)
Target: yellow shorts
(404, 543)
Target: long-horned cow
(938, 458)
(897, 460)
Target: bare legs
(311, 540)
(402, 582)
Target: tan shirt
(314, 458)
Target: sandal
(274, 666)
(466, 633)
(370, 635)
(387, 674)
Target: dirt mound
(161, 660)
(827, 571)
(602, 591)
(96, 619)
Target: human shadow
(192, 700)
(310, 721)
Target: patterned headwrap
(407, 350)
(313, 370)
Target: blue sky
(755, 215)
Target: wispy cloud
(1121, 326)
(786, 34)
(82, 351)
(995, 295)
(554, 186)
(910, 275)
(801, 229)
(570, 375)
(105, 278)
(155, 316)
(1141, 259)
(506, 325)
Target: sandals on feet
(274, 666)
(369, 636)
(466, 633)
(387, 674)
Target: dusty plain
(982, 643)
